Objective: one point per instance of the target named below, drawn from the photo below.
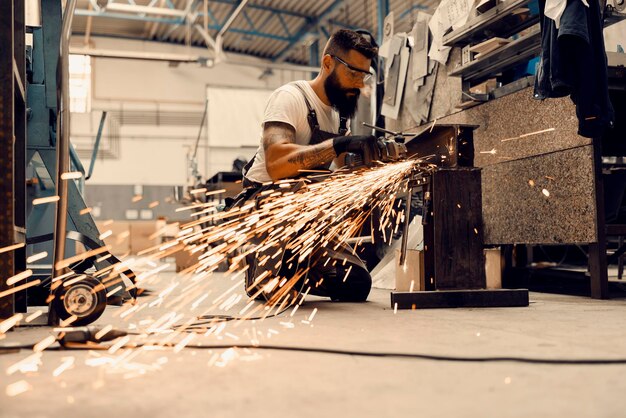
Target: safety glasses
(355, 73)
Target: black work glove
(367, 146)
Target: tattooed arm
(284, 158)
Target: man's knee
(356, 286)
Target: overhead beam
(308, 26)
(138, 55)
(232, 18)
(213, 26)
(265, 8)
(149, 10)
(232, 59)
(127, 16)
(250, 22)
(208, 40)
(187, 18)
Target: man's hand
(368, 147)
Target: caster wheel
(86, 299)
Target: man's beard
(339, 98)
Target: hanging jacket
(573, 62)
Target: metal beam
(188, 18)
(159, 11)
(139, 55)
(208, 40)
(265, 8)
(84, 12)
(231, 59)
(232, 18)
(383, 11)
(112, 15)
(250, 22)
(151, 27)
(212, 16)
(324, 31)
(281, 19)
(307, 27)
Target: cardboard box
(493, 268)
(184, 259)
(119, 239)
(142, 236)
(488, 46)
(410, 277)
(485, 87)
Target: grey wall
(113, 202)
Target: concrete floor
(260, 383)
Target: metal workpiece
(420, 180)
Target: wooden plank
(410, 276)
(19, 146)
(7, 233)
(493, 268)
(457, 230)
(496, 298)
(489, 45)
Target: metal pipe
(273, 65)
(150, 10)
(195, 148)
(66, 29)
(63, 139)
(139, 55)
(96, 145)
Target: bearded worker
(305, 127)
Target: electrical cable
(212, 319)
(377, 354)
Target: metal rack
(504, 20)
(501, 59)
(500, 20)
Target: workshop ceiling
(278, 30)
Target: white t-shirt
(287, 105)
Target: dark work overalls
(327, 267)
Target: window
(80, 83)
